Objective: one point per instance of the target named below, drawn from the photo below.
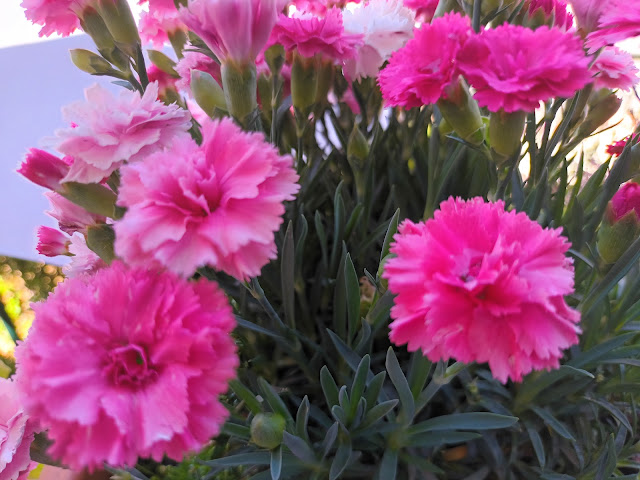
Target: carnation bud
(240, 86)
(44, 169)
(325, 81)
(604, 105)
(90, 62)
(621, 224)
(357, 148)
(92, 197)
(505, 131)
(304, 83)
(267, 430)
(274, 56)
(163, 62)
(119, 20)
(461, 112)
(93, 24)
(207, 92)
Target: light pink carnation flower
(311, 35)
(128, 363)
(479, 284)
(619, 21)
(52, 242)
(71, 217)
(513, 69)
(234, 30)
(217, 205)
(84, 261)
(385, 25)
(55, 16)
(420, 72)
(160, 5)
(156, 26)
(17, 431)
(196, 61)
(614, 68)
(110, 130)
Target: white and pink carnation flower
(386, 25)
(479, 284)
(218, 204)
(614, 68)
(156, 26)
(116, 370)
(109, 130)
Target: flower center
(128, 367)
(475, 263)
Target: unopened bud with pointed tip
(207, 93)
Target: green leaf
(358, 385)
(402, 385)
(329, 439)
(464, 421)
(352, 286)
(257, 328)
(537, 444)
(378, 315)
(553, 423)
(607, 460)
(322, 240)
(299, 448)
(235, 430)
(378, 413)
(556, 476)
(287, 259)
(241, 459)
(434, 439)
(276, 463)
(274, 400)
(244, 394)
(302, 418)
(389, 465)
(599, 351)
(388, 237)
(341, 460)
(349, 356)
(374, 388)
(613, 410)
(338, 226)
(329, 387)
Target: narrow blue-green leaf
(349, 356)
(352, 286)
(302, 418)
(300, 242)
(341, 460)
(322, 239)
(599, 351)
(329, 387)
(537, 444)
(378, 315)
(338, 226)
(577, 371)
(274, 400)
(553, 423)
(433, 439)
(299, 448)
(244, 394)
(343, 399)
(338, 414)
(607, 461)
(241, 459)
(378, 413)
(374, 388)
(402, 385)
(464, 421)
(613, 410)
(257, 328)
(287, 264)
(329, 439)
(556, 476)
(388, 237)
(359, 383)
(276, 463)
(388, 465)
(235, 430)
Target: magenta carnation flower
(17, 431)
(512, 68)
(619, 21)
(128, 363)
(419, 73)
(108, 131)
(55, 16)
(233, 29)
(311, 35)
(217, 205)
(479, 284)
(614, 68)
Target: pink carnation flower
(52, 242)
(44, 169)
(55, 16)
(233, 29)
(71, 217)
(617, 147)
(311, 35)
(614, 68)
(128, 363)
(420, 72)
(424, 9)
(588, 12)
(556, 10)
(110, 130)
(385, 26)
(513, 69)
(157, 25)
(619, 21)
(626, 199)
(196, 61)
(479, 284)
(17, 431)
(84, 261)
(217, 205)
(160, 5)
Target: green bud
(100, 239)
(505, 131)
(267, 430)
(325, 80)
(615, 235)
(207, 93)
(357, 148)
(90, 62)
(92, 197)
(93, 24)
(240, 86)
(462, 113)
(304, 83)
(274, 56)
(603, 106)
(119, 20)
(163, 62)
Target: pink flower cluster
(128, 363)
(219, 205)
(480, 284)
(17, 431)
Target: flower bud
(90, 62)
(461, 112)
(274, 56)
(52, 242)
(207, 93)
(505, 131)
(304, 83)
(603, 106)
(44, 169)
(267, 430)
(93, 24)
(621, 225)
(357, 148)
(163, 62)
(239, 83)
